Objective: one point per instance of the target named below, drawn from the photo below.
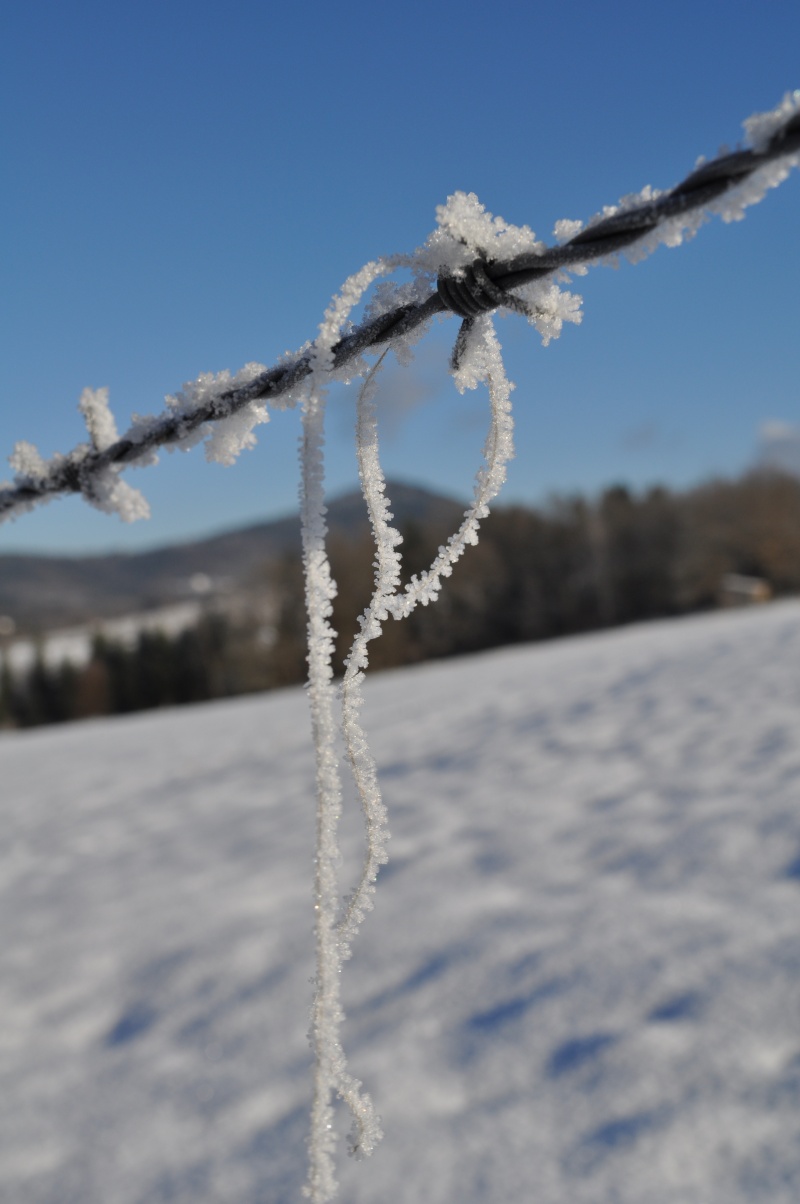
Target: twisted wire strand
(483, 287)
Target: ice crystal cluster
(199, 412)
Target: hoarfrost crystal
(27, 461)
(98, 417)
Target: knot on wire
(476, 293)
(470, 295)
(473, 293)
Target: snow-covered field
(580, 985)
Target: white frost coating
(481, 362)
(27, 461)
(330, 1067)
(761, 126)
(672, 232)
(387, 579)
(732, 204)
(550, 307)
(227, 437)
(105, 489)
(387, 294)
(465, 229)
(565, 229)
(98, 417)
(326, 1016)
(108, 492)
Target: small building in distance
(736, 589)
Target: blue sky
(188, 183)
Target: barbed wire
(483, 286)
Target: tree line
(572, 565)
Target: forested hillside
(570, 566)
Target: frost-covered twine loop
(481, 363)
(331, 1076)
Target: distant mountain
(41, 592)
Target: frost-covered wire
(331, 1075)
(454, 272)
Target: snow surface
(580, 982)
